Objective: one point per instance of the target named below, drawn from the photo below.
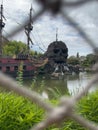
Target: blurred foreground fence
(65, 109)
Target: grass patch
(17, 113)
(88, 108)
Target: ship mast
(28, 29)
(2, 24)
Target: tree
(14, 48)
(91, 58)
(77, 55)
(73, 60)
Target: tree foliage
(14, 48)
(73, 60)
(90, 60)
(84, 61)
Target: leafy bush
(17, 113)
(88, 108)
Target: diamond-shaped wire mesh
(56, 115)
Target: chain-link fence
(58, 114)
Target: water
(78, 84)
(50, 88)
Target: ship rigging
(2, 25)
(28, 29)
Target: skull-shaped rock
(57, 52)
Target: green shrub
(19, 77)
(88, 108)
(17, 113)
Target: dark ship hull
(11, 67)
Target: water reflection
(71, 84)
(78, 84)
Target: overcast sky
(44, 30)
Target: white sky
(44, 31)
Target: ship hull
(12, 67)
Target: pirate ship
(54, 60)
(11, 66)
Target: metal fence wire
(58, 114)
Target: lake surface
(71, 84)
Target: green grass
(17, 113)
(88, 108)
